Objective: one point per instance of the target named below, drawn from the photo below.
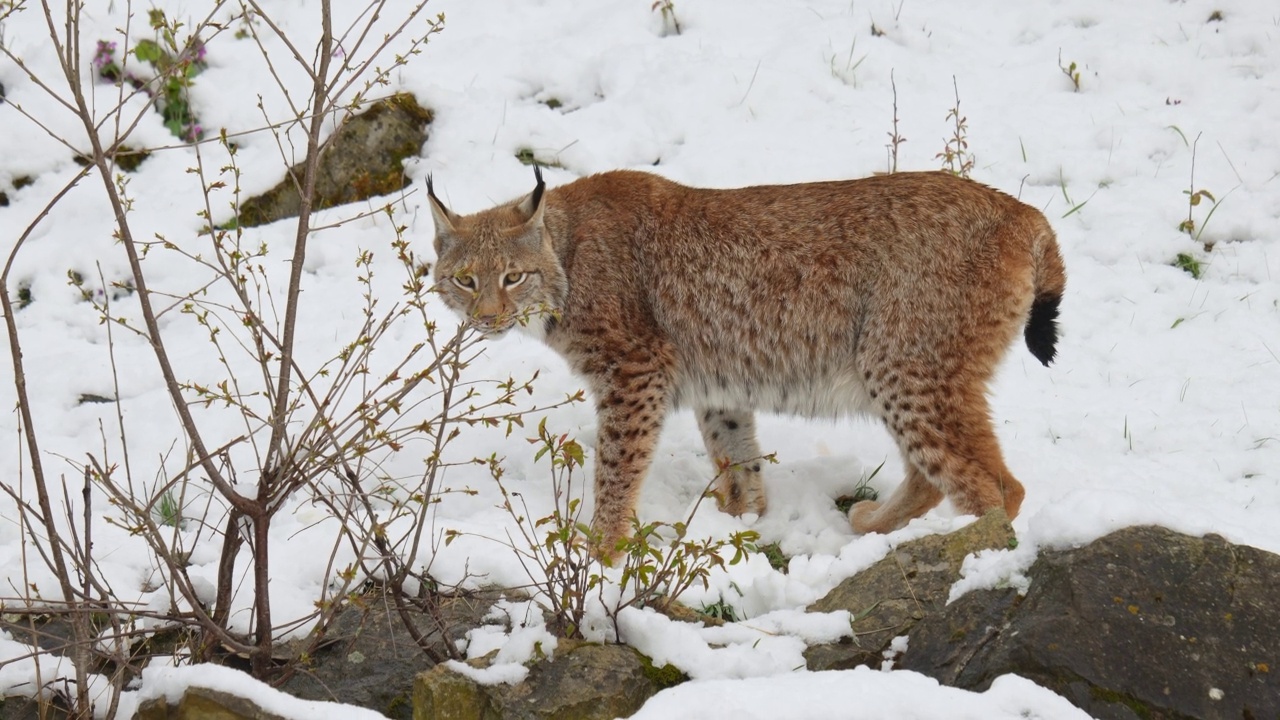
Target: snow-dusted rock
(1144, 620)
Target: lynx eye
(513, 279)
(464, 281)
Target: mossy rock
(583, 681)
(663, 677)
(442, 694)
(364, 159)
(199, 703)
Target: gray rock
(26, 708)
(370, 660)
(1143, 623)
(911, 583)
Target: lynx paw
(862, 516)
(739, 492)
(606, 542)
(608, 555)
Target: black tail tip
(1042, 328)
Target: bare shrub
(325, 429)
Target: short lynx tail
(1051, 278)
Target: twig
(895, 138)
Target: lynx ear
(531, 205)
(444, 218)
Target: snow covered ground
(1163, 405)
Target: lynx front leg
(630, 414)
(730, 436)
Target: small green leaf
(148, 51)
(573, 451)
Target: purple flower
(105, 54)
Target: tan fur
(894, 296)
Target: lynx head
(498, 267)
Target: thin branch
(71, 67)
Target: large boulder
(911, 583)
(365, 158)
(1143, 623)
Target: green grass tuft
(1189, 264)
(720, 610)
(168, 510)
(773, 553)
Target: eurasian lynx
(893, 296)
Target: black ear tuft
(536, 199)
(431, 191)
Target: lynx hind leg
(947, 441)
(730, 437)
(958, 451)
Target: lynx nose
(488, 322)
